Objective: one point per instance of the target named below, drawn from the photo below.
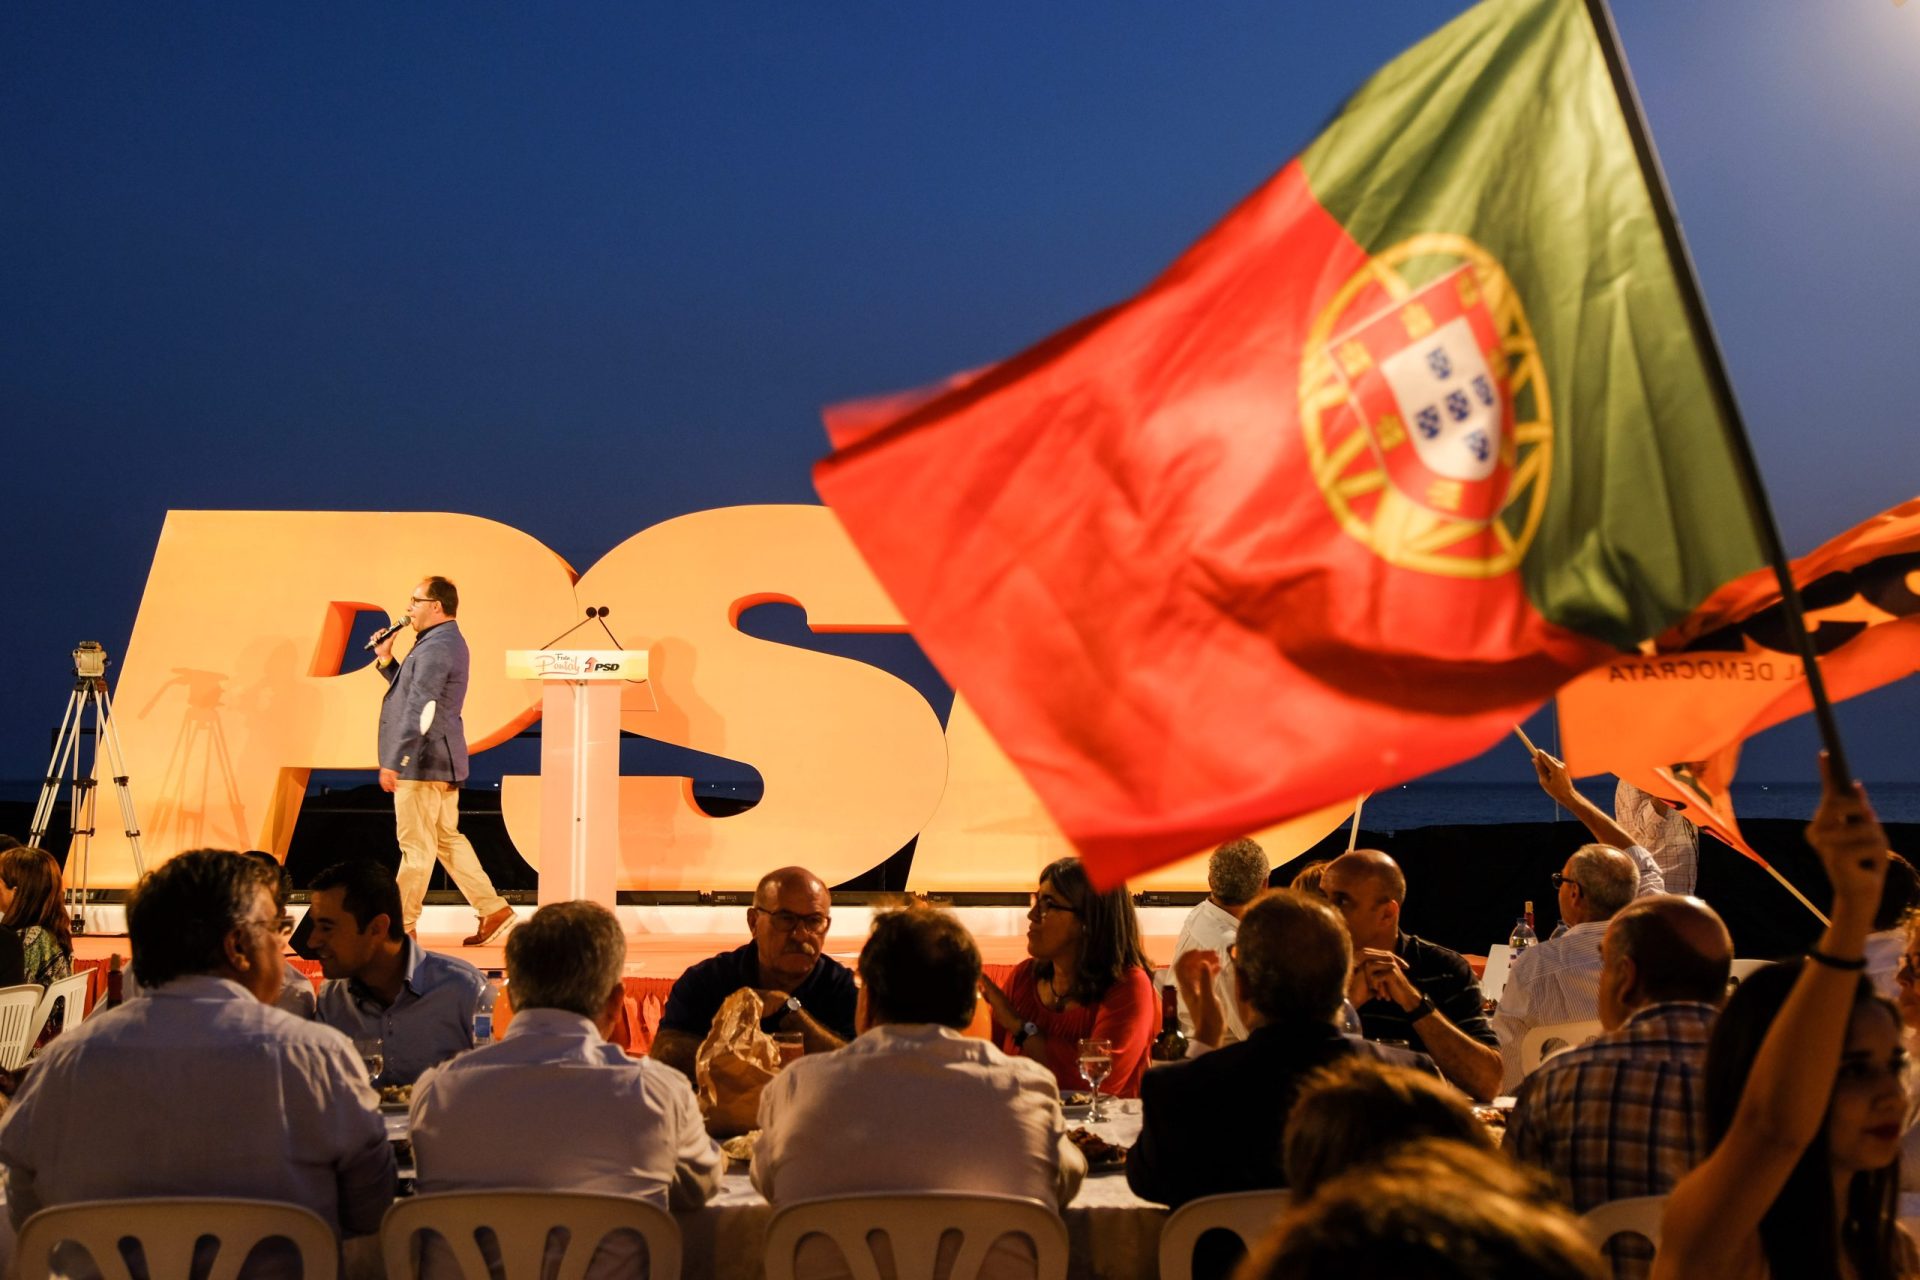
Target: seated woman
(1804, 1100)
(1088, 978)
(31, 905)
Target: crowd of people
(1332, 1053)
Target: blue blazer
(433, 672)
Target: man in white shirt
(202, 1088)
(554, 1104)
(1236, 875)
(912, 1104)
(1559, 980)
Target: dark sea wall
(1466, 884)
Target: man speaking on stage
(423, 758)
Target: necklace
(1052, 997)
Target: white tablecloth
(1112, 1234)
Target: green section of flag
(1504, 127)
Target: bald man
(1625, 1114)
(1408, 990)
(801, 988)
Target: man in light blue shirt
(380, 983)
(201, 1088)
(554, 1104)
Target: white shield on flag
(1448, 401)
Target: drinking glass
(791, 1044)
(374, 1056)
(1096, 1060)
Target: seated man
(1409, 990)
(1625, 1114)
(1209, 1014)
(381, 984)
(801, 989)
(1559, 980)
(200, 1088)
(1213, 1124)
(914, 1104)
(553, 1104)
(296, 992)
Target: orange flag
(1728, 671)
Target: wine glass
(1096, 1060)
(373, 1057)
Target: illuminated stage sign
(221, 724)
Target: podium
(580, 698)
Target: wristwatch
(1421, 1010)
(772, 1021)
(1026, 1029)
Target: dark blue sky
(416, 257)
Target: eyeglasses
(281, 925)
(420, 600)
(790, 921)
(1046, 906)
(1560, 877)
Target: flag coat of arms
(1415, 434)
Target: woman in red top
(1088, 977)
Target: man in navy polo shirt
(801, 989)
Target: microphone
(383, 633)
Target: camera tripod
(89, 692)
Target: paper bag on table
(734, 1063)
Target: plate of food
(396, 1097)
(740, 1147)
(1100, 1153)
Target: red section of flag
(1115, 545)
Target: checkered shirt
(1623, 1115)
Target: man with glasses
(201, 1088)
(423, 759)
(801, 988)
(1625, 1114)
(1559, 980)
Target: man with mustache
(801, 989)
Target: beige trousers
(427, 822)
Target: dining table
(1111, 1232)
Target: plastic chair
(521, 1222)
(1542, 1043)
(73, 990)
(913, 1224)
(19, 1027)
(1248, 1214)
(169, 1229)
(1636, 1215)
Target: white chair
(1542, 1043)
(18, 1026)
(168, 1231)
(1636, 1215)
(521, 1222)
(1248, 1214)
(73, 990)
(913, 1224)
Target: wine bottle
(1171, 1044)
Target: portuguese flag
(1416, 434)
